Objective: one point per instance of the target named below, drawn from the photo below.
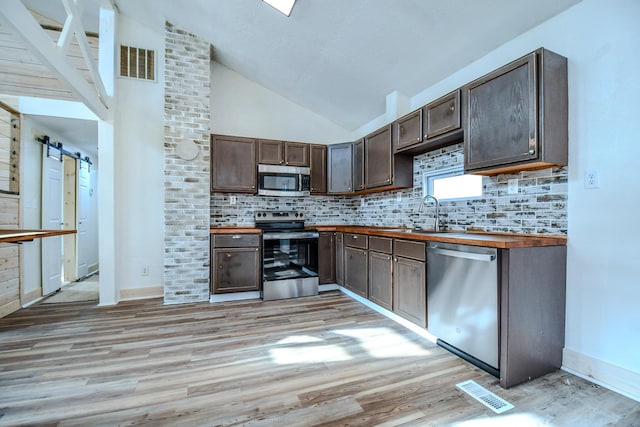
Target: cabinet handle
(281, 162)
(364, 252)
(452, 108)
(388, 179)
(395, 260)
(418, 139)
(235, 236)
(388, 258)
(532, 151)
(425, 136)
(220, 266)
(256, 249)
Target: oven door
(290, 264)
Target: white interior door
(82, 216)
(51, 220)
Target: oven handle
(291, 235)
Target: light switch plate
(233, 200)
(512, 186)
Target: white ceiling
(341, 58)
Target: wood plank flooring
(324, 360)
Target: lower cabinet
(339, 242)
(235, 263)
(410, 281)
(326, 257)
(381, 271)
(356, 261)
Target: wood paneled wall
(9, 257)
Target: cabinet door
(442, 115)
(409, 290)
(235, 270)
(340, 258)
(378, 158)
(380, 281)
(340, 168)
(355, 270)
(296, 154)
(326, 257)
(409, 130)
(501, 116)
(358, 165)
(270, 152)
(233, 164)
(318, 165)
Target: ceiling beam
(21, 23)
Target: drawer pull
(235, 236)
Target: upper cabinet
(233, 164)
(318, 165)
(378, 158)
(340, 168)
(358, 165)
(516, 117)
(435, 125)
(283, 153)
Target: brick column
(186, 183)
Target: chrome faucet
(429, 196)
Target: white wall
(139, 170)
(601, 41)
(242, 107)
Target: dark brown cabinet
(318, 165)
(409, 130)
(233, 164)
(235, 263)
(442, 115)
(410, 281)
(339, 258)
(516, 116)
(381, 271)
(435, 125)
(326, 257)
(340, 168)
(356, 259)
(283, 153)
(378, 158)
(359, 165)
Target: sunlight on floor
(379, 343)
(506, 420)
(383, 342)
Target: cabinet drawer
(236, 240)
(410, 249)
(355, 240)
(381, 244)
(442, 115)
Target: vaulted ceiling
(341, 58)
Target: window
(452, 184)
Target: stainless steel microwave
(274, 180)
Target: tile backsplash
(540, 207)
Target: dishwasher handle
(460, 254)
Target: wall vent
(137, 63)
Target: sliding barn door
(51, 220)
(82, 216)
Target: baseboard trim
(615, 378)
(31, 297)
(234, 296)
(391, 315)
(141, 293)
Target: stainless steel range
(289, 256)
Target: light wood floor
(323, 360)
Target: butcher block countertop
(17, 235)
(232, 230)
(494, 240)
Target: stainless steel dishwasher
(462, 301)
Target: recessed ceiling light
(283, 6)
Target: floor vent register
(484, 396)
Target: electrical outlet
(233, 200)
(145, 270)
(362, 202)
(512, 186)
(591, 178)
(399, 197)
